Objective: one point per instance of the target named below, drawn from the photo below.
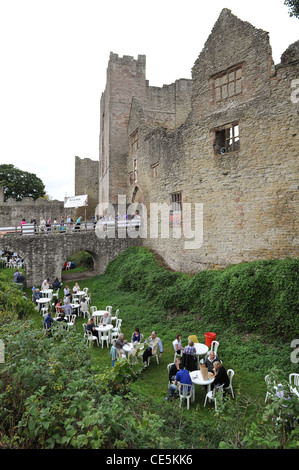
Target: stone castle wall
(87, 182)
(249, 192)
(12, 212)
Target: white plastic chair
(115, 317)
(109, 309)
(85, 289)
(104, 337)
(44, 310)
(90, 338)
(214, 394)
(93, 309)
(55, 294)
(149, 358)
(72, 322)
(270, 387)
(118, 325)
(84, 312)
(185, 392)
(294, 383)
(116, 330)
(294, 379)
(176, 354)
(214, 346)
(230, 374)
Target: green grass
(250, 356)
(152, 298)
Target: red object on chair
(209, 338)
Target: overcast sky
(54, 56)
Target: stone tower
(125, 78)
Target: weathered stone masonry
(161, 141)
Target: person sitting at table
(57, 305)
(210, 359)
(83, 305)
(66, 290)
(106, 319)
(183, 377)
(119, 344)
(45, 284)
(174, 369)
(61, 318)
(90, 326)
(188, 359)
(68, 297)
(177, 344)
(76, 288)
(136, 336)
(56, 283)
(221, 377)
(36, 295)
(48, 321)
(67, 308)
(153, 343)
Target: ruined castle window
(227, 139)
(155, 170)
(228, 83)
(134, 141)
(176, 208)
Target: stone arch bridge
(44, 253)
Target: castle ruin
(227, 139)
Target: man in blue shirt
(183, 377)
(48, 321)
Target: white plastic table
(46, 292)
(197, 379)
(103, 329)
(128, 348)
(79, 294)
(42, 300)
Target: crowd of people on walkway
(49, 224)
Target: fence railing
(32, 229)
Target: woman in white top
(178, 344)
(76, 288)
(45, 284)
(66, 291)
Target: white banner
(76, 201)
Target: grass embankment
(252, 307)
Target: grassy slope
(251, 356)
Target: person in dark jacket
(210, 359)
(174, 369)
(48, 321)
(221, 377)
(56, 284)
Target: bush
(258, 297)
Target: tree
(293, 7)
(18, 184)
